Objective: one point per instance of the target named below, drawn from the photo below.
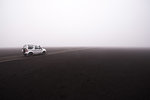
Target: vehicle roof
(30, 45)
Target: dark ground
(91, 74)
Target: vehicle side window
(36, 47)
(30, 47)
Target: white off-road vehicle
(29, 50)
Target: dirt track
(90, 74)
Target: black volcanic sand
(91, 74)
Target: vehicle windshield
(37, 47)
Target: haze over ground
(114, 23)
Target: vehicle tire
(30, 54)
(43, 52)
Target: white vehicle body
(32, 50)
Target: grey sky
(75, 23)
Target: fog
(111, 23)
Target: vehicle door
(41, 50)
(30, 48)
(37, 50)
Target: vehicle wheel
(43, 52)
(30, 54)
